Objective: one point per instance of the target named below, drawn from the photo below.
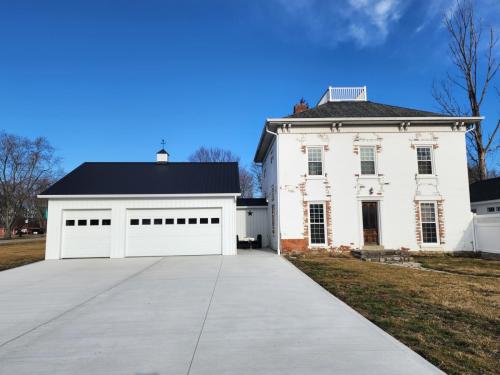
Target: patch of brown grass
(19, 254)
(450, 319)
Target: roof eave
(136, 196)
(259, 154)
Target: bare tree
(215, 154)
(257, 176)
(474, 75)
(24, 165)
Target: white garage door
(193, 231)
(86, 233)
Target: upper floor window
(424, 160)
(367, 157)
(315, 161)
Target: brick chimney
(300, 106)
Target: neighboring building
(143, 209)
(351, 172)
(485, 196)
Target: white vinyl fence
(487, 233)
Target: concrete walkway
(254, 314)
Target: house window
(158, 221)
(106, 222)
(315, 161)
(204, 220)
(428, 220)
(192, 220)
(491, 209)
(169, 221)
(498, 208)
(146, 221)
(215, 220)
(474, 211)
(367, 156)
(82, 223)
(424, 160)
(70, 223)
(94, 222)
(317, 223)
(134, 221)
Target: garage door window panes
(169, 221)
(94, 222)
(204, 220)
(146, 221)
(181, 221)
(192, 220)
(82, 223)
(70, 223)
(215, 220)
(158, 221)
(317, 220)
(134, 221)
(106, 221)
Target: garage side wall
(119, 207)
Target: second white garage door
(159, 232)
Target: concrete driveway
(248, 314)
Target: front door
(370, 223)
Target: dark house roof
(361, 109)
(485, 190)
(148, 178)
(251, 202)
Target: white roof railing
(339, 94)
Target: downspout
(278, 190)
(474, 244)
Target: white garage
(118, 210)
(86, 233)
(191, 231)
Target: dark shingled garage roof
(486, 190)
(251, 202)
(148, 178)
(361, 109)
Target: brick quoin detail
(418, 229)
(440, 215)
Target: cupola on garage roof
(157, 178)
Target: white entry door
(86, 234)
(187, 231)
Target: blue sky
(107, 80)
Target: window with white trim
(367, 157)
(315, 161)
(428, 222)
(317, 223)
(424, 160)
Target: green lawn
(451, 318)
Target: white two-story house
(352, 173)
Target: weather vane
(163, 144)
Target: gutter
(136, 196)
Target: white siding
(482, 207)
(270, 191)
(119, 207)
(396, 185)
(253, 225)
